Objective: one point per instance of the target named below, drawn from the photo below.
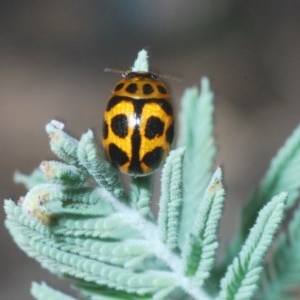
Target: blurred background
(52, 57)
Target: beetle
(138, 127)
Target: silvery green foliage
(79, 222)
(282, 175)
(197, 136)
(240, 281)
(281, 274)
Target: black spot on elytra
(119, 125)
(117, 156)
(170, 133)
(119, 86)
(166, 106)
(113, 101)
(105, 130)
(147, 89)
(161, 89)
(153, 158)
(131, 88)
(154, 127)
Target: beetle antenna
(168, 76)
(111, 70)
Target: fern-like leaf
(51, 253)
(197, 137)
(171, 198)
(281, 276)
(281, 176)
(201, 244)
(45, 201)
(62, 173)
(90, 157)
(112, 227)
(62, 144)
(128, 253)
(85, 201)
(241, 279)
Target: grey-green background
(52, 56)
